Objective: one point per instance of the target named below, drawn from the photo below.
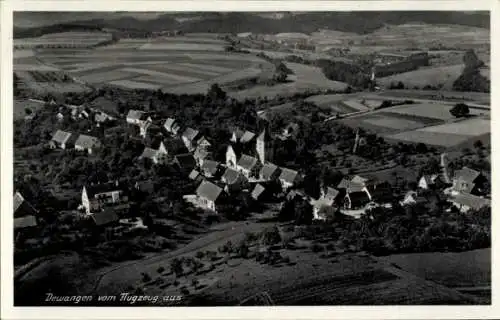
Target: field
(64, 40)
(47, 81)
(429, 110)
(444, 75)
(447, 135)
(177, 64)
(305, 78)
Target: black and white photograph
(251, 158)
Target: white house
(209, 196)
(231, 158)
(97, 196)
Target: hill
(235, 22)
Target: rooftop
(208, 191)
(86, 141)
(247, 162)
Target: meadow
(435, 76)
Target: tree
(460, 110)
(28, 111)
(478, 144)
(176, 267)
(270, 236)
(216, 93)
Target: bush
(145, 277)
(160, 270)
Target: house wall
(423, 184)
(231, 159)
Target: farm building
(269, 172)
(356, 199)
(288, 178)
(465, 202)
(248, 166)
(25, 222)
(137, 117)
(467, 180)
(97, 196)
(101, 118)
(172, 126)
(155, 155)
(185, 162)
(87, 143)
(189, 137)
(210, 196)
(62, 139)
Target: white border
(341, 312)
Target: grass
(429, 110)
(444, 75)
(471, 268)
(21, 105)
(429, 138)
(469, 127)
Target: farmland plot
(429, 110)
(470, 127)
(129, 84)
(182, 46)
(444, 75)
(430, 138)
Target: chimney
(444, 167)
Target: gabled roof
(194, 175)
(358, 196)
(257, 191)
(87, 142)
(25, 222)
(135, 114)
(104, 217)
(359, 179)
(149, 153)
(471, 201)
(185, 160)
(331, 193)
(210, 166)
(203, 140)
(61, 136)
(288, 175)
(231, 176)
(169, 124)
(201, 154)
(238, 133)
(247, 162)
(268, 170)
(22, 207)
(209, 191)
(247, 137)
(94, 189)
(467, 174)
(190, 133)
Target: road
(129, 272)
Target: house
(356, 199)
(143, 128)
(231, 157)
(189, 138)
(241, 136)
(185, 162)
(467, 180)
(248, 166)
(97, 196)
(233, 179)
(25, 215)
(155, 155)
(87, 143)
(320, 205)
(200, 155)
(172, 126)
(202, 143)
(428, 181)
(288, 178)
(236, 135)
(137, 117)
(289, 130)
(62, 139)
(465, 202)
(22, 207)
(210, 168)
(25, 222)
(412, 198)
(258, 192)
(329, 193)
(105, 217)
(210, 196)
(145, 186)
(269, 172)
(195, 175)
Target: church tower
(261, 147)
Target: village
(246, 171)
